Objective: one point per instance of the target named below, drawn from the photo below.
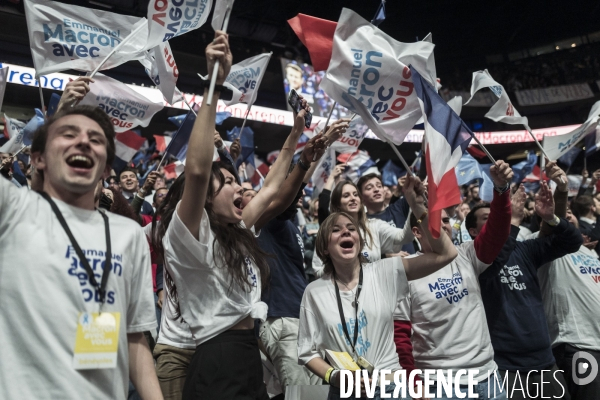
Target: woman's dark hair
(121, 206)
(235, 242)
(335, 206)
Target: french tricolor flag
(256, 171)
(162, 142)
(447, 139)
(126, 145)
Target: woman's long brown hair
(235, 242)
(336, 206)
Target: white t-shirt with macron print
(384, 285)
(571, 293)
(448, 319)
(44, 288)
(209, 301)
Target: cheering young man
(75, 286)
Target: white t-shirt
(173, 331)
(43, 290)
(571, 293)
(384, 285)
(386, 239)
(450, 329)
(210, 303)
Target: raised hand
(517, 201)
(313, 150)
(74, 92)
(219, 50)
(336, 130)
(414, 192)
(218, 141)
(299, 118)
(544, 202)
(501, 174)
(235, 149)
(556, 174)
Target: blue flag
(222, 116)
(53, 105)
(569, 157)
(380, 14)
(524, 168)
(178, 120)
(247, 142)
(32, 126)
(179, 143)
(468, 170)
(390, 173)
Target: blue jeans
(495, 391)
(334, 393)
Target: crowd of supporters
(215, 288)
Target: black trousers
(564, 359)
(227, 366)
(524, 385)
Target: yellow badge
(97, 340)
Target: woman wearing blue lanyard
(361, 295)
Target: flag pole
(245, 119)
(584, 159)
(402, 160)
(41, 96)
(484, 149)
(113, 51)
(161, 160)
(329, 117)
(538, 143)
(543, 153)
(188, 104)
(213, 79)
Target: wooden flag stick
(213, 79)
(117, 48)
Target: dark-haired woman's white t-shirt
(210, 302)
(384, 285)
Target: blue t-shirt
(287, 282)
(395, 214)
(513, 300)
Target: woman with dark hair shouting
(350, 309)
(215, 267)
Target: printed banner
(554, 94)
(170, 18)
(126, 108)
(160, 66)
(244, 78)
(372, 68)
(324, 169)
(64, 36)
(352, 138)
(557, 146)
(503, 110)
